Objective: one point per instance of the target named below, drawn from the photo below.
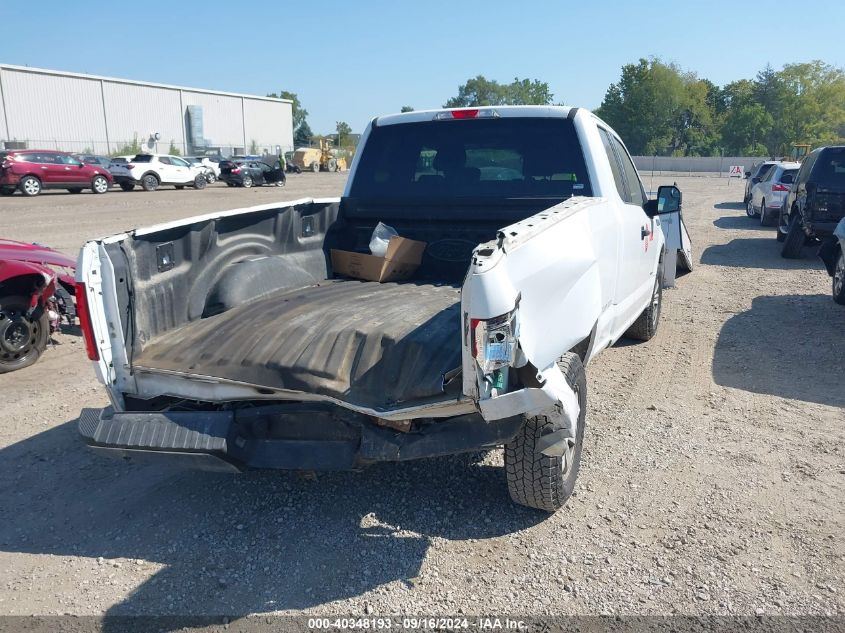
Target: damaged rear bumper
(295, 436)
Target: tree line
(660, 109)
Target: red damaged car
(36, 294)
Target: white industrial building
(49, 109)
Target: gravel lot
(712, 480)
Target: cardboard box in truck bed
(401, 260)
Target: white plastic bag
(381, 237)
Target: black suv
(816, 201)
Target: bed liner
(367, 343)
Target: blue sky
(356, 59)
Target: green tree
(343, 131)
(302, 135)
(480, 91)
(407, 109)
(173, 150)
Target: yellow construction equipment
(323, 158)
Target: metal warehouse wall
(52, 111)
(134, 111)
(55, 110)
(262, 117)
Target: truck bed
(367, 343)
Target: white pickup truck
(228, 341)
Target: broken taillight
(84, 315)
(494, 341)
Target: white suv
(153, 170)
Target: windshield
(499, 158)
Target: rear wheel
(839, 279)
(247, 181)
(150, 182)
(546, 481)
(794, 240)
(200, 182)
(22, 340)
(99, 184)
(315, 166)
(210, 178)
(30, 186)
(127, 186)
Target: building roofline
(133, 82)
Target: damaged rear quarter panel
(548, 265)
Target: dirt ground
(712, 480)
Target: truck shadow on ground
(241, 544)
(789, 346)
(759, 252)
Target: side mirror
(748, 174)
(668, 201)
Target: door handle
(644, 232)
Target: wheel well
(150, 173)
(22, 285)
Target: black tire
(75, 190)
(765, 220)
(21, 341)
(247, 182)
(749, 209)
(794, 240)
(645, 327)
(200, 182)
(315, 166)
(99, 184)
(30, 186)
(127, 186)
(210, 178)
(150, 182)
(839, 279)
(542, 481)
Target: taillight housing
(84, 315)
(236, 170)
(780, 187)
(130, 166)
(494, 342)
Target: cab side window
(636, 194)
(615, 167)
(164, 160)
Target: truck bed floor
(367, 343)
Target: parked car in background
(36, 293)
(31, 171)
(832, 253)
(768, 195)
(211, 169)
(93, 159)
(755, 175)
(246, 173)
(816, 201)
(153, 170)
